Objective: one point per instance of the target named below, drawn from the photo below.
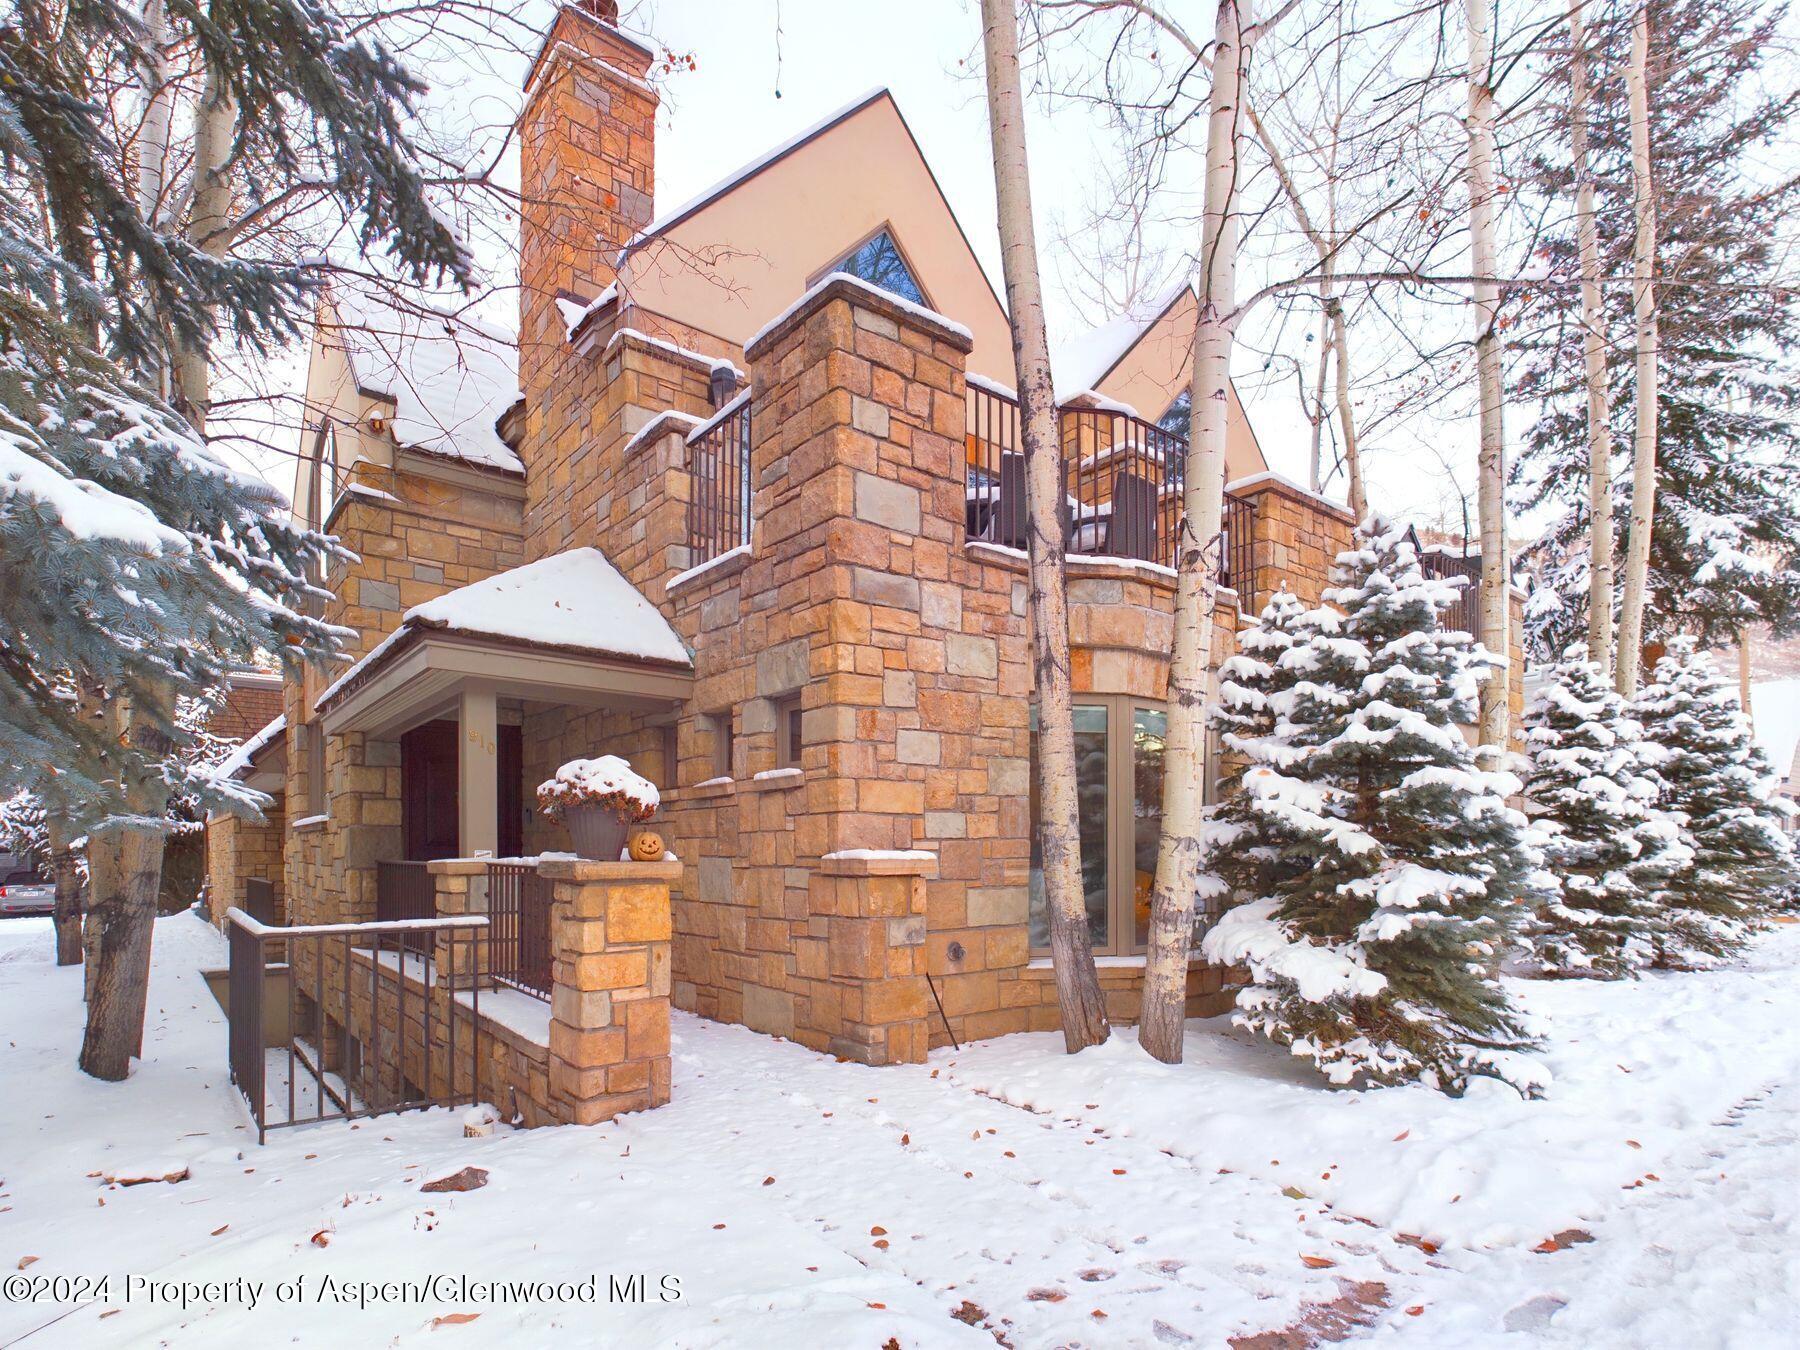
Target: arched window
(327, 482)
(879, 261)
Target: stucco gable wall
(1158, 367)
(747, 255)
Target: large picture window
(1119, 743)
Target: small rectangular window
(788, 738)
(722, 744)
(671, 756)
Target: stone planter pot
(598, 832)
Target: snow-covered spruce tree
(1253, 846)
(1608, 844)
(1399, 868)
(136, 568)
(1711, 773)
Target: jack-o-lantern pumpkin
(646, 846)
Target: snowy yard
(1004, 1191)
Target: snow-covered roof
(576, 599)
(450, 379)
(1080, 362)
(240, 759)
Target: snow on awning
(241, 758)
(576, 600)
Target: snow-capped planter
(598, 800)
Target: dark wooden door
(511, 796)
(428, 791)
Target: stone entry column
(609, 1028)
(461, 888)
(876, 954)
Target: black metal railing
(519, 902)
(259, 900)
(1465, 614)
(719, 464)
(1122, 485)
(404, 890)
(340, 1021)
(1237, 561)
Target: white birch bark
(1490, 493)
(159, 109)
(1082, 1006)
(1164, 1013)
(1643, 295)
(208, 228)
(1593, 351)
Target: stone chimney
(587, 162)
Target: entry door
(428, 791)
(429, 778)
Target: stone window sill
(700, 792)
(773, 782)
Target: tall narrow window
(1120, 742)
(1092, 793)
(788, 740)
(721, 746)
(315, 768)
(878, 261)
(329, 482)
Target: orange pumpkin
(646, 846)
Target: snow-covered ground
(1007, 1189)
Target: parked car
(15, 868)
(29, 897)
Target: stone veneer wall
(237, 849)
(419, 529)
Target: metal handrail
(330, 959)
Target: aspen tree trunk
(1743, 646)
(208, 227)
(1078, 996)
(1164, 1015)
(1316, 415)
(1340, 345)
(1490, 496)
(1643, 294)
(1593, 351)
(66, 911)
(159, 109)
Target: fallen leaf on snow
(27, 1261)
(1045, 1296)
(464, 1179)
(220, 1229)
(321, 1238)
(140, 1176)
(453, 1320)
(1317, 1262)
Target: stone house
(753, 523)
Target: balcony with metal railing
(1122, 482)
